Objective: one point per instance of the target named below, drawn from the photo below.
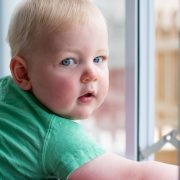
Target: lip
(87, 97)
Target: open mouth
(86, 97)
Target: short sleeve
(67, 147)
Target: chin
(82, 116)
(78, 115)
(75, 117)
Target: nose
(89, 74)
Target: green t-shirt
(34, 142)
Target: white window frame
(179, 102)
(131, 47)
(139, 82)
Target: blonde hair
(33, 17)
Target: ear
(19, 72)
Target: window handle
(171, 138)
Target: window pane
(108, 122)
(167, 56)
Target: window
(167, 42)
(108, 122)
(157, 80)
(142, 104)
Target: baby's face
(69, 73)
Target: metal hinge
(171, 138)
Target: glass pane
(167, 55)
(107, 124)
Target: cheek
(55, 91)
(104, 85)
(63, 91)
(104, 88)
(106, 80)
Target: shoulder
(4, 83)
(68, 147)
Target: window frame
(140, 80)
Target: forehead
(73, 35)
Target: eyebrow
(100, 51)
(103, 51)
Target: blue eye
(67, 62)
(98, 59)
